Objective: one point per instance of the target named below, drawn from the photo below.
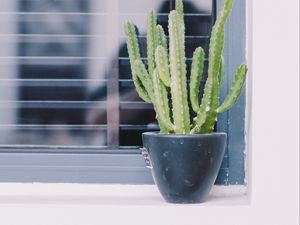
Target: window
(69, 110)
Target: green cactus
(164, 84)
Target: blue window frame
(55, 93)
(233, 121)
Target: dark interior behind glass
(61, 101)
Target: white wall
(275, 111)
(274, 143)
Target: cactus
(164, 83)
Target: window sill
(112, 195)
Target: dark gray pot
(184, 167)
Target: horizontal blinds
(65, 73)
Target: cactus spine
(166, 74)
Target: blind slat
(72, 104)
(76, 127)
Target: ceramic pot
(184, 167)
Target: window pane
(66, 77)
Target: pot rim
(156, 133)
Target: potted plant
(185, 156)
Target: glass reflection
(58, 60)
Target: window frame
(126, 166)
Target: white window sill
(117, 195)
(86, 204)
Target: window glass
(65, 74)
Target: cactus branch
(211, 118)
(147, 82)
(134, 54)
(179, 8)
(162, 64)
(159, 95)
(235, 90)
(221, 71)
(217, 39)
(143, 76)
(151, 41)
(200, 119)
(196, 76)
(132, 41)
(161, 37)
(178, 75)
(215, 57)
